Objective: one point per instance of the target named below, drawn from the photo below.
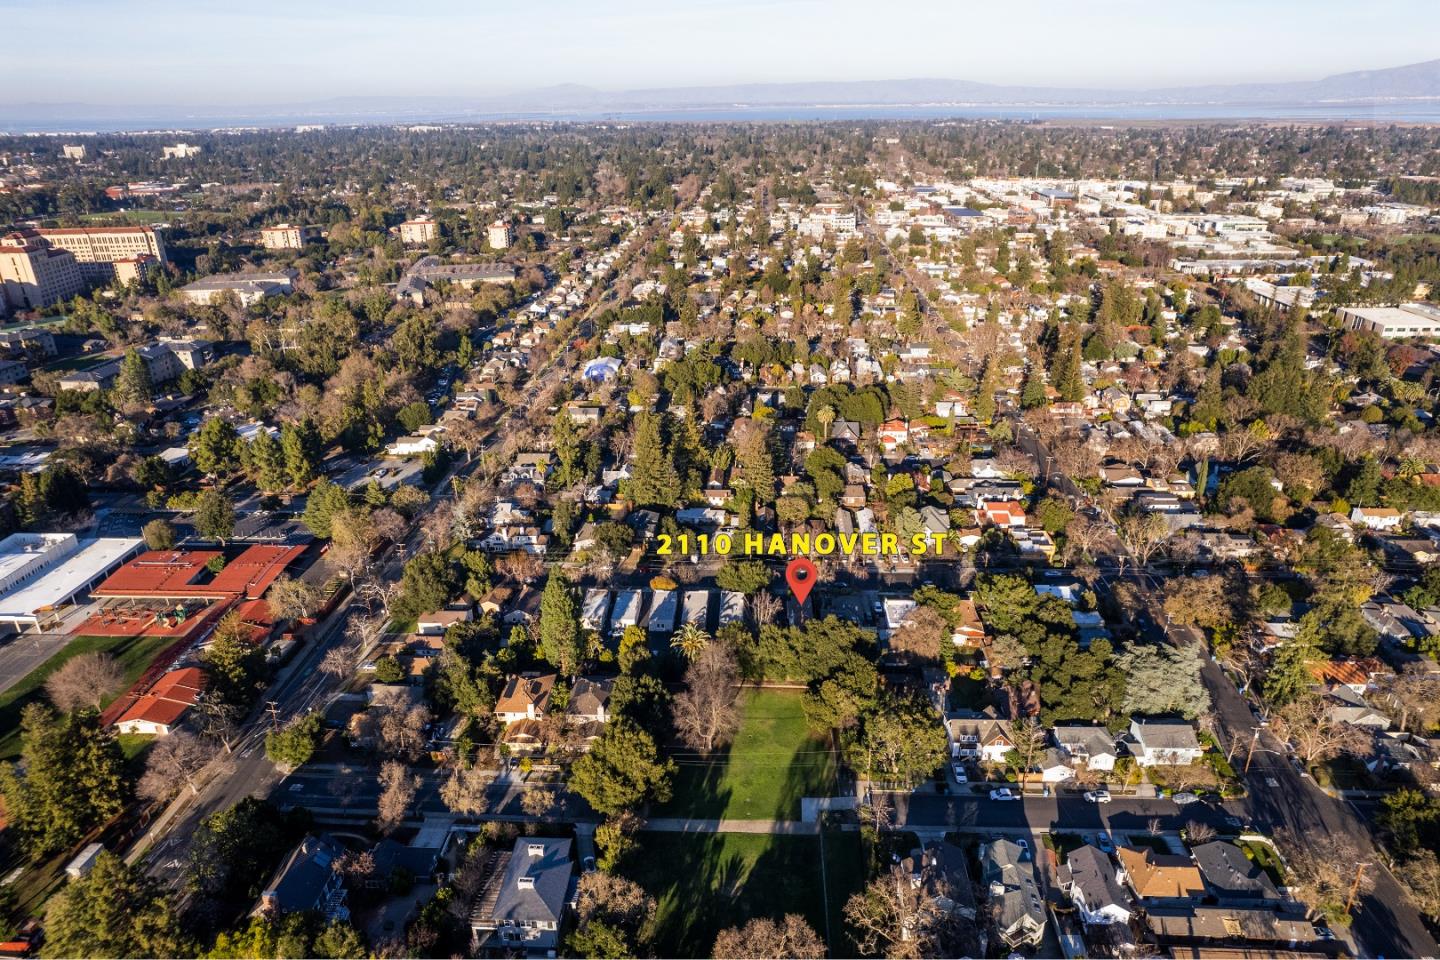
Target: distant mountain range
(1398, 90)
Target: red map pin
(800, 573)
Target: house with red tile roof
(161, 708)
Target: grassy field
(131, 217)
(774, 761)
(704, 883)
(133, 653)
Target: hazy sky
(269, 51)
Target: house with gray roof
(308, 882)
(522, 906)
(1015, 901)
(1091, 746)
(1230, 876)
(1164, 742)
(1089, 878)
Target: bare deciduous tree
(398, 786)
(84, 681)
(174, 760)
(1308, 723)
(921, 635)
(291, 599)
(764, 608)
(763, 937)
(538, 801)
(467, 790)
(705, 714)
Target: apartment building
(248, 288)
(500, 235)
(180, 151)
(288, 236)
(166, 360)
(34, 275)
(419, 231)
(73, 151)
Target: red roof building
(165, 704)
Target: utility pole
(274, 710)
(1251, 755)
(1355, 886)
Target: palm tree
(825, 416)
(690, 640)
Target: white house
(1094, 887)
(1091, 747)
(1164, 742)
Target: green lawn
(704, 883)
(131, 217)
(774, 761)
(133, 653)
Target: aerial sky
(285, 51)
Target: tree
(622, 769)
(300, 446)
(743, 576)
(560, 640)
(321, 506)
(1160, 678)
(265, 462)
(114, 910)
(86, 680)
(1210, 601)
(234, 664)
(1308, 723)
(159, 534)
(790, 936)
(1322, 869)
(292, 746)
(896, 741)
(132, 383)
(214, 515)
(174, 760)
(894, 918)
(71, 778)
(614, 917)
(1419, 874)
(704, 713)
(215, 448)
(1032, 393)
(616, 837)
(654, 480)
(291, 599)
(397, 792)
(921, 636)
(1142, 533)
(757, 460)
(690, 640)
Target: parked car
(1097, 796)
(959, 771)
(1183, 799)
(1104, 842)
(1004, 793)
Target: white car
(1097, 796)
(1181, 799)
(959, 772)
(1004, 793)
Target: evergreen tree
(214, 515)
(985, 396)
(113, 911)
(1209, 405)
(654, 480)
(757, 461)
(266, 462)
(321, 506)
(560, 641)
(73, 779)
(215, 448)
(1032, 392)
(132, 383)
(300, 444)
